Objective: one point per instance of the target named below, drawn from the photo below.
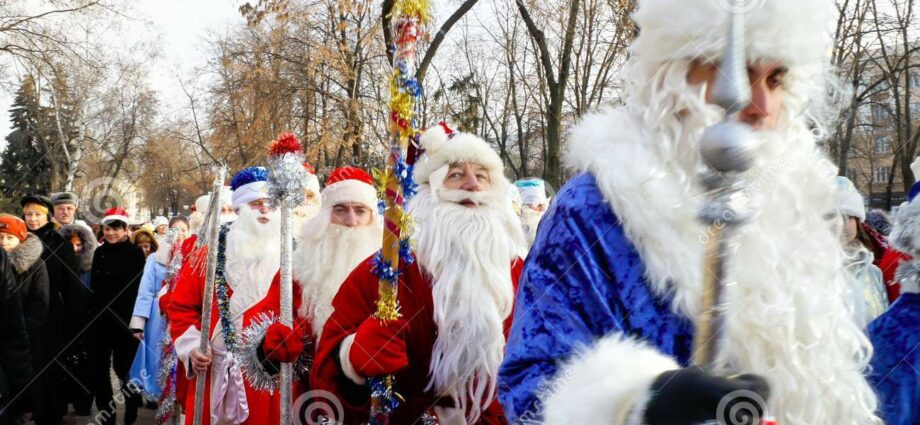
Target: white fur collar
(641, 187)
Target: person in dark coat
(25, 253)
(66, 309)
(84, 243)
(117, 269)
(15, 359)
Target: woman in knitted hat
(66, 311)
(869, 296)
(25, 252)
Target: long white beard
(324, 257)
(253, 256)
(530, 221)
(304, 213)
(468, 253)
(786, 318)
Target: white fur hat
(350, 184)
(794, 32)
(848, 201)
(444, 147)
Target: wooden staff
(407, 16)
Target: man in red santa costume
(455, 298)
(346, 231)
(248, 259)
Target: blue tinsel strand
(221, 288)
(404, 173)
(388, 399)
(383, 270)
(413, 87)
(405, 253)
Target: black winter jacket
(15, 361)
(116, 275)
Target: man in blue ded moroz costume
(604, 319)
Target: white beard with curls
(786, 319)
(326, 254)
(469, 261)
(253, 255)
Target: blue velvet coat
(895, 336)
(583, 280)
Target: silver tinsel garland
(248, 353)
(287, 178)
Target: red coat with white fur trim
(184, 313)
(354, 303)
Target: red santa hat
(350, 184)
(115, 214)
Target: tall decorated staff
(395, 183)
(727, 148)
(287, 181)
(209, 241)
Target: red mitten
(379, 348)
(164, 302)
(282, 344)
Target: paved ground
(144, 417)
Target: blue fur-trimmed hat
(248, 185)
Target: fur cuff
(185, 343)
(347, 368)
(137, 322)
(253, 365)
(608, 384)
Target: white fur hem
(347, 367)
(185, 343)
(137, 322)
(606, 384)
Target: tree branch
(439, 38)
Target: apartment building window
(879, 113)
(883, 145)
(915, 79)
(881, 174)
(851, 174)
(851, 152)
(915, 107)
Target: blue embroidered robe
(895, 373)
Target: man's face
(469, 177)
(263, 207)
(114, 234)
(34, 217)
(351, 214)
(64, 213)
(767, 90)
(8, 242)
